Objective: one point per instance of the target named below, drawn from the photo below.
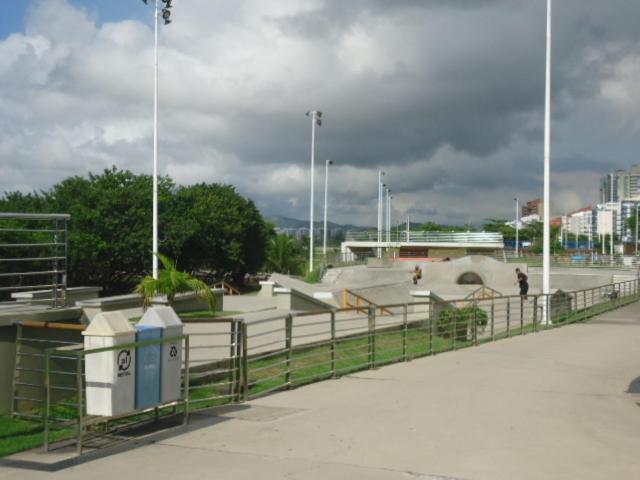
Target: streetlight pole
(389, 215)
(517, 227)
(316, 119)
(546, 263)
(380, 186)
(326, 194)
(155, 143)
(166, 15)
(386, 216)
(636, 229)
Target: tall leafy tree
(206, 226)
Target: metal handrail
(365, 301)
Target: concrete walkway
(552, 405)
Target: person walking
(523, 282)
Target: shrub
(461, 321)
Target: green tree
(170, 282)
(500, 226)
(284, 255)
(207, 227)
(211, 227)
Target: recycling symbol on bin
(124, 360)
(173, 351)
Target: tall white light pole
(316, 119)
(517, 226)
(546, 264)
(380, 187)
(386, 216)
(389, 216)
(166, 15)
(637, 229)
(326, 195)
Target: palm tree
(170, 282)
(283, 255)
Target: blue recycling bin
(148, 367)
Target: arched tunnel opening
(470, 278)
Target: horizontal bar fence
(231, 360)
(34, 255)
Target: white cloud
(447, 100)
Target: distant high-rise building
(620, 185)
(533, 207)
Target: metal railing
(489, 238)
(232, 360)
(626, 262)
(67, 415)
(34, 254)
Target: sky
(445, 96)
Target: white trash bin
(110, 376)
(171, 357)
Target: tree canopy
(206, 227)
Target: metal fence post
(433, 325)
(333, 343)
(453, 328)
(493, 319)
(232, 360)
(245, 363)
(521, 314)
(405, 332)
(288, 328)
(80, 403)
(584, 305)
(47, 406)
(475, 323)
(187, 379)
(508, 316)
(371, 336)
(535, 313)
(238, 360)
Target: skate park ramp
(392, 283)
(449, 280)
(455, 279)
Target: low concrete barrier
(291, 299)
(45, 297)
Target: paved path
(553, 405)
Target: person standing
(523, 282)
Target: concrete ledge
(291, 299)
(189, 302)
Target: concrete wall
(290, 299)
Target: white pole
(637, 229)
(326, 194)
(408, 227)
(313, 147)
(517, 226)
(380, 174)
(386, 216)
(547, 160)
(155, 145)
(389, 214)
(611, 246)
